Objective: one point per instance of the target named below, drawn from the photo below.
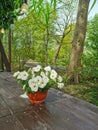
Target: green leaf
(94, 2)
(40, 3)
(47, 13)
(54, 4)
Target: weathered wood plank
(62, 117)
(11, 91)
(3, 108)
(31, 120)
(59, 112)
(10, 123)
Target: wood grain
(59, 112)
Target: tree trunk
(9, 47)
(78, 41)
(60, 44)
(1, 58)
(57, 54)
(5, 60)
(1, 63)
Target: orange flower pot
(37, 97)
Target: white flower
(53, 75)
(43, 84)
(60, 85)
(23, 75)
(59, 78)
(42, 74)
(38, 80)
(34, 88)
(24, 95)
(47, 73)
(32, 81)
(33, 85)
(48, 68)
(37, 68)
(46, 79)
(16, 74)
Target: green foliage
(90, 57)
(87, 91)
(8, 11)
(32, 31)
(65, 51)
(30, 36)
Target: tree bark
(1, 58)
(1, 63)
(57, 52)
(61, 43)
(9, 47)
(78, 41)
(5, 60)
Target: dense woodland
(56, 33)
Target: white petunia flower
(43, 84)
(34, 88)
(47, 73)
(60, 85)
(48, 68)
(59, 78)
(53, 75)
(42, 74)
(24, 95)
(46, 79)
(23, 75)
(16, 74)
(33, 85)
(38, 80)
(37, 68)
(31, 82)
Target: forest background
(44, 34)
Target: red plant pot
(37, 97)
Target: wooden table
(59, 112)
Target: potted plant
(37, 80)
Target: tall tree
(7, 13)
(9, 47)
(63, 25)
(78, 41)
(4, 57)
